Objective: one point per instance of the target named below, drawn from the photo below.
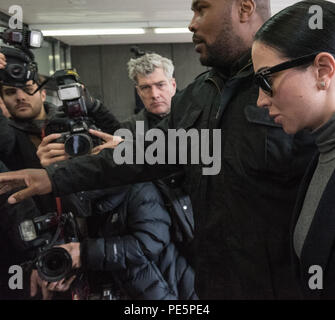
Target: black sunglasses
(263, 79)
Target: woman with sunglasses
(295, 70)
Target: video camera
(75, 126)
(42, 233)
(21, 66)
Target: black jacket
(131, 238)
(17, 151)
(242, 215)
(176, 201)
(318, 248)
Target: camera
(75, 124)
(21, 66)
(42, 233)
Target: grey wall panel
(118, 88)
(88, 65)
(104, 71)
(162, 49)
(187, 64)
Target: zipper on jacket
(219, 90)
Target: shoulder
(130, 123)
(145, 204)
(202, 76)
(138, 116)
(197, 87)
(145, 192)
(199, 80)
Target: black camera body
(75, 124)
(19, 69)
(75, 135)
(42, 233)
(21, 66)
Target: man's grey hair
(147, 64)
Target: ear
(43, 94)
(246, 8)
(174, 86)
(325, 67)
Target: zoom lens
(16, 71)
(54, 264)
(78, 145)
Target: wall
(104, 71)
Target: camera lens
(54, 264)
(78, 144)
(16, 71)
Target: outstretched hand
(110, 140)
(36, 181)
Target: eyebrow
(152, 84)
(195, 3)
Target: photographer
(21, 134)
(130, 252)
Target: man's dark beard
(225, 51)
(23, 118)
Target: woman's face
(296, 102)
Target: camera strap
(58, 199)
(59, 206)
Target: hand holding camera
(55, 239)
(75, 123)
(3, 62)
(19, 65)
(50, 152)
(46, 287)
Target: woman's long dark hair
(289, 30)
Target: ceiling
(89, 14)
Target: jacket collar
(241, 69)
(108, 199)
(155, 118)
(318, 244)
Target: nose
(263, 100)
(192, 24)
(155, 92)
(20, 94)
